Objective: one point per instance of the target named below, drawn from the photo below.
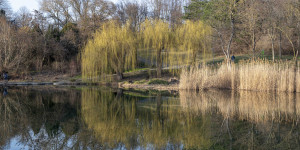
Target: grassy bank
(258, 75)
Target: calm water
(97, 118)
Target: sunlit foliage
(194, 37)
(156, 35)
(112, 50)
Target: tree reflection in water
(97, 118)
(131, 122)
(41, 118)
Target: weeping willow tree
(157, 35)
(193, 37)
(111, 50)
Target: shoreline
(128, 83)
(25, 83)
(122, 85)
(159, 87)
(171, 87)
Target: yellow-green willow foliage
(156, 35)
(111, 50)
(193, 37)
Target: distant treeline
(53, 37)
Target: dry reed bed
(259, 75)
(251, 106)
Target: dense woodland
(56, 37)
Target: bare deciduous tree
(24, 17)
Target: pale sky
(17, 4)
(30, 4)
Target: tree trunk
(229, 134)
(253, 43)
(158, 103)
(119, 93)
(296, 63)
(158, 109)
(280, 40)
(295, 75)
(298, 41)
(136, 57)
(232, 24)
(213, 54)
(194, 58)
(230, 40)
(159, 63)
(273, 52)
(252, 136)
(119, 76)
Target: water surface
(102, 118)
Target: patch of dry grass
(258, 75)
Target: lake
(103, 118)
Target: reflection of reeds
(260, 75)
(252, 106)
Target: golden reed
(253, 75)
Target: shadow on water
(98, 118)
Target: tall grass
(254, 75)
